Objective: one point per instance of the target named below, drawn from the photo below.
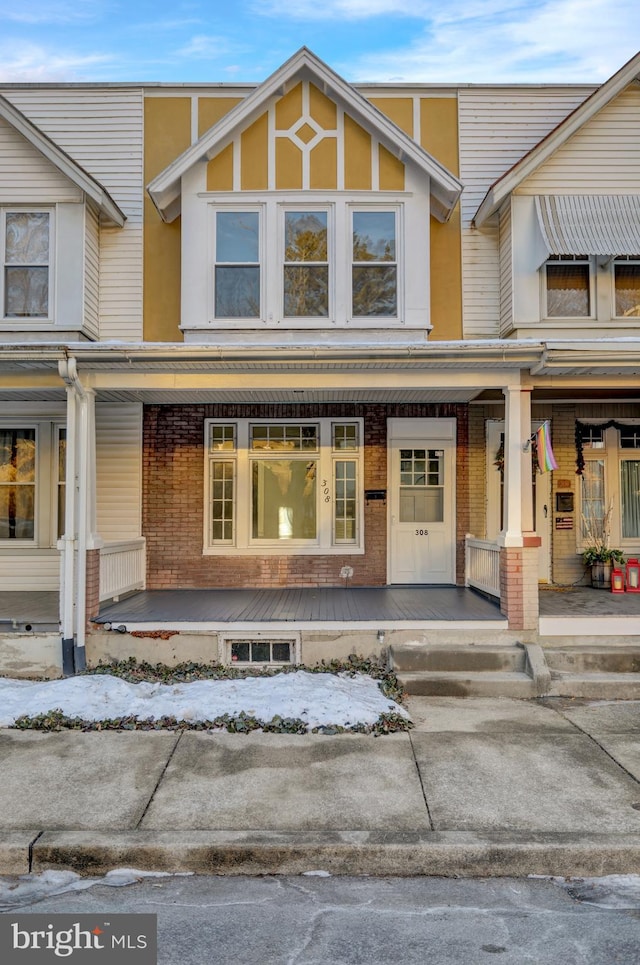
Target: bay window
(306, 264)
(283, 486)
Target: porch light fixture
(380, 636)
(633, 576)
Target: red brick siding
(173, 502)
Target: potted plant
(597, 554)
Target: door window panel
(421, 486)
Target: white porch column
(525, 456)
(68, 540)
(511, 534)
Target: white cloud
(566, 41)
(205, 46)
(29, 63)
(45, 12)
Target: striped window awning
(590, 224)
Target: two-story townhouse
(299, 336)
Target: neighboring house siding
(118, 470)
(102, 131)
(28, 177)
(506, 270)
(497, 127)
(601, 158)
(91, 272)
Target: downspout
(74, 575)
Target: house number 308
(326, 492)
(422, 532)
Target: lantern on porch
(633, 576)
(617, 581)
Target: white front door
(422, 500)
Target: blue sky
(480, 41)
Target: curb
(446, 854)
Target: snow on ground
(319, 699)
(25, 889)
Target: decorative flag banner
(546, 458)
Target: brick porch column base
(519, 586)
(92, 595)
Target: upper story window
(374, 280)
(237, 264)
(26, 256)
(627, 286)
(568, 286)
(311, 263)
(306, 264)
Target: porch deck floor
(39, 610)
(299, 605)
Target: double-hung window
(306, 264)
(237, 281)
(626, 273)
(374, 278)
(26, 256)
(283, 486)
(32, 483)
(568, 286)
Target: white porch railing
(482, 565)
(122, 567)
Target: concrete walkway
(479, 787)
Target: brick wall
(92, 590)
(173, 502)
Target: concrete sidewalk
(479, 787)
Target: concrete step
(418, 657)
(468, 684)
(595, 686)
(585, 660)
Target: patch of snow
(609, 891)
(317, 874)
(27, 889)
(320, 699)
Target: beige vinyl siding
(601, 158)
(497, 127)
(30, 570)
(26, 177)
(91, 271)
(102, 131)
(506, 271)
(118, 470)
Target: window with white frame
(568, 286)
(374, 278)
(237, 258)
(283, 486)
(610, 487)
(626, 274)
(26, 255)
(339, 261)
(32, 465)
